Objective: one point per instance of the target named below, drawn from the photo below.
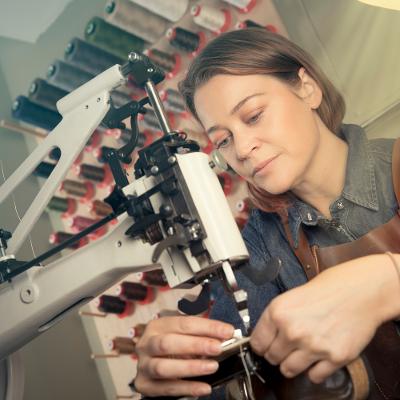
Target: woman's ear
(309, 90)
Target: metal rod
(158, 107)
(12, 126)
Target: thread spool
(248, 23)
(25, 110)
(214, 19)
(94, 141)
(155, 277)
(136, 331)
(114, 305)
(67, 76)
(112, 39)
(124, 135)
(170, 63)
(99, 208)
(84, 190)
(78, 223)
(185, 40)
(65, 205)
(122, 345)
(173, 102)
(135, 292)
(244, 205)
(226, 182)
(241, 222)
(244, 6)
(101, 175)
(173, 10)
(44, 169)
(88, 57)
(45, 94)
(135, 19)
(60, 237)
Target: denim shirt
(367, 201)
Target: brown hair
(257, 51)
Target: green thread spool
(112, 38)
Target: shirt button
(340, 205)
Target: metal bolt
(154, 170)
(133, 56)
(172, 160)
(150, 70)
(170, 231)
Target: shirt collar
(359, 188)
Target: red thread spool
(102, 175)
(84, 190)
(78, 223)
(241, 222)
(60, 237)
(155, 278)
(94, 141)
(135, 292)
(226, 182)
(122, 345)
(114, 305)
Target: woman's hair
(254, 51)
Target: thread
(114, 305)
(226, 182)
(94, 141)
(155, 277)
(25, 110)
(248, 23)
(60, 237)
(173, 10)
(136, 19)
(45, 94)
(44, 169)
(169, 63)
(112, 39)
(123, 345)
(65, 205)
(135, 291)
(214, 19)
(78, 223)
(173, 101)
(97, 174)
(84, 190)
(241, 222)
(185, 40)
(136, 331)
(99, 208)
(88, 57)
(244, 6)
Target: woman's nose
(244, 146)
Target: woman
(277, 120)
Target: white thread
(248, 376)
(242, 5)
(208, 17)
(172, 10)
(16, 209)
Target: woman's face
(266, 131)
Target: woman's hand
(173, 348)
(326, 323)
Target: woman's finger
(297, 362)
(171, 388)
(166, 368)
(264, 334)
(172, 344)
(322, 370)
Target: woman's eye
(253, 119)
(224, 142)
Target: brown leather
(383, 352)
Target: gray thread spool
(135, 19)
(45, 94)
